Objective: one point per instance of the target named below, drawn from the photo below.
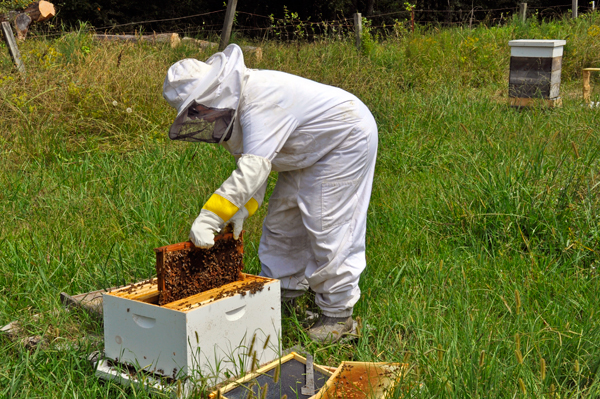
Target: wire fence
(292, 27)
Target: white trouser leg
(314, 232)
(334, 198)
(284, 249)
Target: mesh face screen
(202, 124)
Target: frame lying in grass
(362, 380)
(284, 376)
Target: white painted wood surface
(536, 48)
(208, 340)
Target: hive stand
(587, 88)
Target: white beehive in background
(535, 69)
(215, 335)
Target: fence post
(470, 19)
(523, 11)
(12, 46)
(358, 29)
(593, 5)
(574, 7)
(227, 24)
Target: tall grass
(483, 231)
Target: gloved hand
(204, 228)
(237, 221)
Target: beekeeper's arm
(238, 192)
(266, 127)
(237, 220)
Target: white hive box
(535, 72)
(199, 336)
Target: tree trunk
(40, 11)
(35, 12)
(22, 25)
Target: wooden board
(172, 38)
(12, 46)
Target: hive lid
(536, 43)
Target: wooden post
(358, 29)
(593, 5)
(523, 12)
(227, 24)
(587, 88)
(470, 19)
(574, 7)
(412, 19)
(12, 46)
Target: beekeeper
(323, 142)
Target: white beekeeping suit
(322, 141)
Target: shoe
(330, 329)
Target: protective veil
(322, 141)
(214, 86)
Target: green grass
(483, 233)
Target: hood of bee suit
(216, 83)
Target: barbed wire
(254, 15)
(160, 20)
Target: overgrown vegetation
(483, 237)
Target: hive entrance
(184, 270)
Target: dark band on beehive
(535, 77)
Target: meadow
(483, 241)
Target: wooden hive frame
(147, 291)
(265, 369)
(380, 385)
(162, 252)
